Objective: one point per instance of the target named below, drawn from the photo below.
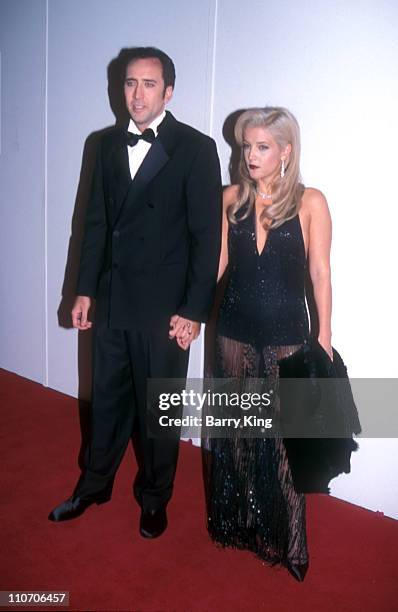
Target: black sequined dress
(251, 500)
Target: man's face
(144, 91)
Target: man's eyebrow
(146, 80)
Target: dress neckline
(258, 253)
(264, 249)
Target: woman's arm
(320, 239)
(230, 196)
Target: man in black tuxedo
(149, 259)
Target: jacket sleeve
(204, 214)
(95, 231)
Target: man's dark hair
(168, 69)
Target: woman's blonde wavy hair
(287, 191)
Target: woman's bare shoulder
(313, 197)
(313, 201)
(230, 195)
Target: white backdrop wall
(22, 185)
(333, 63)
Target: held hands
(183, 330)
(80, 313)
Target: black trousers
(122, 362)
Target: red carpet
(105, 564)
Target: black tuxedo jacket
(151, 245)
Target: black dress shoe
(153, 523)
(74, 507)
(298, 571)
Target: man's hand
(80, 313)
(183, 330)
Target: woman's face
(262, 154)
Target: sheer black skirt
(251, 500)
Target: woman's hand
(315, 208)
(326, 344)
(184, 331)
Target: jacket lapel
(153, 162)
(156, 158)
(120, 173)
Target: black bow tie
(148, 135)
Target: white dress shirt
(138, 152)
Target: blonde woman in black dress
(274, 229)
